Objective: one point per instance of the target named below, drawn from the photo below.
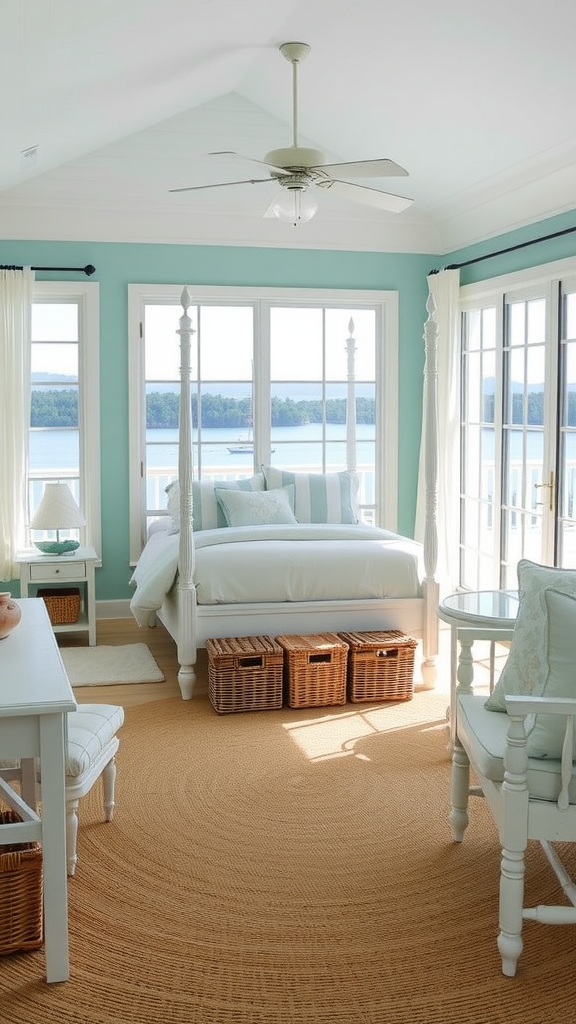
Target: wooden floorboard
(126, 631)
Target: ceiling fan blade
(220, 184)
(367, 169)
(250, 160)
(369, 196)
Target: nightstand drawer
(61, 571)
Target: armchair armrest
(516, 757)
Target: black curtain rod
(511, 248)
(88, 269)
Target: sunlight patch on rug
(110, 665)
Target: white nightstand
(65, 570)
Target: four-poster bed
(289, 574)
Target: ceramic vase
(10, 614)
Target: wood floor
(161, 645)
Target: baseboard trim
(113, 609)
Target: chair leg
(108, 783)
(71, 835)
(510, 943)
(460, 791)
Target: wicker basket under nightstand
(20, 894)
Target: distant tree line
(59, 408)
(220, 411)
(54, 408)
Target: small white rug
(107, 666)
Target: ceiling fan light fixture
(294, 206)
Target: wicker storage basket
(380, 665)
(244, 674)
(314, 669)
(63, 605)
(20, 893)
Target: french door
(518, 426)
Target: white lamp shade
(57, 510)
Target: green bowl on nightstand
(56, 547)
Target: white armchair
(523, 762)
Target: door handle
(550, 486)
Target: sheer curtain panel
(16, 295)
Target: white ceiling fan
(301, 172)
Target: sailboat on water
(245, 446)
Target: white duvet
(306, 562)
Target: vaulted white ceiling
(125, 99)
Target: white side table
(481, 609)
(37, 569)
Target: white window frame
(386, 304)
(87, 295)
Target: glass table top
(489, 607)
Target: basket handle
(387, 653)
(248, 662)
(317, 658)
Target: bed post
(187, 596)
(430, 586)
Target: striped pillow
(319, 497)
(206, 512)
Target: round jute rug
(290, 867)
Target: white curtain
(443, 327)
(16, 295)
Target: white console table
(35, 697)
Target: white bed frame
(191, 624)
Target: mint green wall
(530, 256)
(118, 265)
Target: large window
(518, 426)
(302, 379)
(64, 441)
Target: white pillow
(526, 669)
(206, 512)
(319, 497)
(546, 732)
(243, 508)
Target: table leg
(52, 767)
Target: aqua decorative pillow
(257, 508)
(319, 497)
(207, 513)
(526, 668)
(546, 732)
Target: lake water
(293, 446)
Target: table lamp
(57, 511)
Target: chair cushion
(90, 729)
(483, 736)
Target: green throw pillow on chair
(526, 669)
(546, 732)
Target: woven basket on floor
(380, 665)
(314, 669)
(20, 893)
(63, 605)
(244, 673)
